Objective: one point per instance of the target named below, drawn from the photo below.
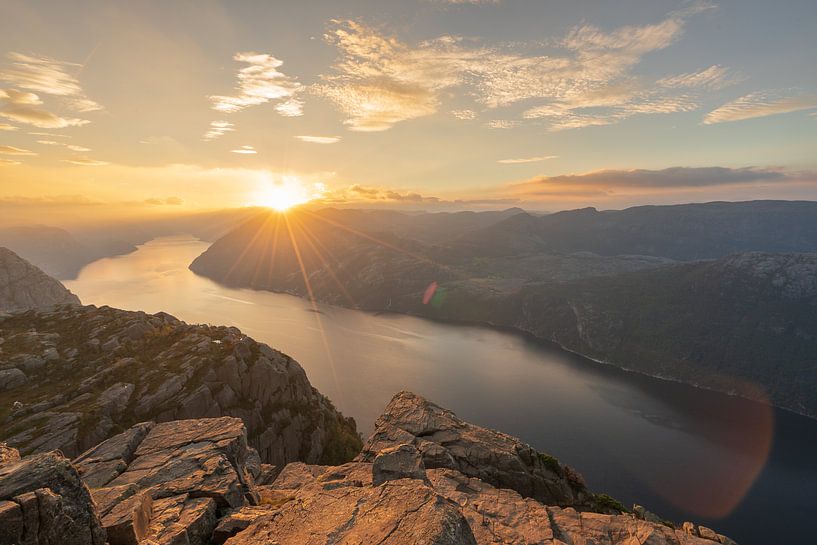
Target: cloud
(245, 150)
(74, 147)
(11, 150)
(7, 127)
(464, 114)
(48, 76)
(85, 161)
(8, 162)
(261, 82)
(760, 104)
(319, 139)
(218, 129)
(172, 201)
(49, 134)
(379, 81)
(358, 193)
(713, 78)
(501, 124)
(526, 160)
(24, 107)
(675, 177)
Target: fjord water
(745, 469)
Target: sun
(283, 194)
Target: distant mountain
(744, 323)
(23, 286)
(682, 232)
(56, 251)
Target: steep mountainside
(83, 374)
(745, 323)
(24, 286)
(682, 232)
(56, 251)
(425, 477)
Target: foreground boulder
(44, 502)
(71, 377)
(445, 441)
(195, 482)
(426, 477)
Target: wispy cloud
(501, 124)
(319, 139)
(378, 80)
(85, 161)
(464, 114)
(218, 129)
(11, 150)
(8, 162)
(49, 76)
(526, 160)
(713, 78)
(25, 107)
(245, 150)
(760, 104)
(74, 147)
(260, 82)
(675, 177)
(7, 127)
(171, 201)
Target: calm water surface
(744, 469)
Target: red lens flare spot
(429, 293)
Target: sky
(154, 106)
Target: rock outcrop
(196, 482)
(426, 476)
(445, 441)
(73, 376)
(44, 502)
(23, 286)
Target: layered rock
(398, 492)
(23, 286)
(44, 502)
(445, 441)
(90, 373)
(166, 483)
(194, 482)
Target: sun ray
(315, 309)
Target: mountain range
(721, 295)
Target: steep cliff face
(82, 374)
(23, 286)
(425, 477)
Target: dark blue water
(743, 469)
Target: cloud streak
(260, 82)
(674, 177)
(760, 104)
(11, 150)
(319, 139)
(526, 160)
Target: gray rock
(445, 441)
(23, 286)
(54, 504)
(400, 462)
(11, 378)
